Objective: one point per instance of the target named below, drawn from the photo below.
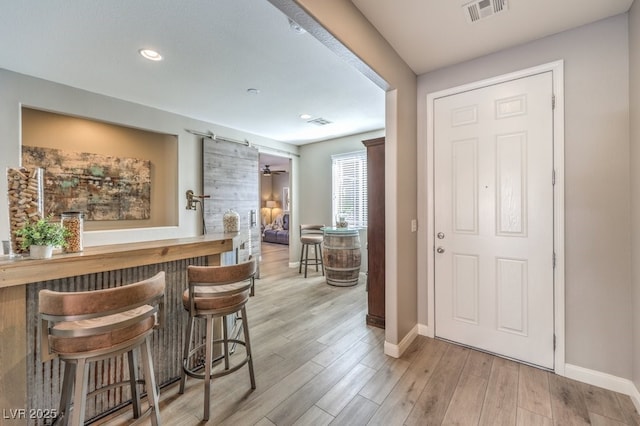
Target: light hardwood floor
(317, 363)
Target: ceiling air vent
(481, 9)
(319, 121)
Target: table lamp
(271, 205)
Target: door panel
(493, 202)
(465, 282)
(512, 296)
(511, 184)
(465, 185)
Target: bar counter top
(23, 270)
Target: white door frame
(426, 209)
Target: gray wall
(597, 240)
(18, 89)
(634, 92)
(315, 197)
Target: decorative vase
(40, 252)
(341, 220)
(231, 221)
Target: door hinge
(554, 342)
(553, 101)
(554, 260)
(553, 177)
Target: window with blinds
(350, 187)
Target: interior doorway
(275, 202)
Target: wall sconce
(271, 205)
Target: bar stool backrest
(92, 305)
(201, 277)
(220, 275)
(307, 229)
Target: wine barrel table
(341, 256)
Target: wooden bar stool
(88, 326)
(216, 292)
(311, 235)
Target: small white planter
(40, 252)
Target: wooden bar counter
(26, 385)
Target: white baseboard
(425, 330)
(396, 351)
(604, 380)
(635, 397)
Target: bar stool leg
(208, 357)
(135, 395)
(301, 256)
(315, 253)
(306, 259)
(150, 382)
(64, 409)
(185, 354)
(225, 339)
(321, 259)
(80, 394)
(245, 329)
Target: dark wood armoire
(375, 231)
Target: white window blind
(350, 187)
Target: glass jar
(73, 222)
(25, 193)
(231, 221)
(341, 220)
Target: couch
(278, 231)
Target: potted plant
(41, 236)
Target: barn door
(230, 178)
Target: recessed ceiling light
(305, 116)
(150, 54)
(253, 91)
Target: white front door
(494, 219)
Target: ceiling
(275, 162)
(409, 25)
(215, 50)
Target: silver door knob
(440, 250)
(440, 235)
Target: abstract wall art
(101, 186)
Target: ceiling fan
(268, 172)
